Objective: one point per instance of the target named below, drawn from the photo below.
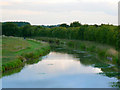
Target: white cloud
(4, 3)
(60, 17)
(62, 1)
(58, 11)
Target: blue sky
(50, 12)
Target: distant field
(13, 48)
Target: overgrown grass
(16, 51)
(102, 50)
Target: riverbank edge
(24, 57)
(102, 50)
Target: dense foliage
(104, 33)
(18, 23)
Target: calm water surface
(58, 70)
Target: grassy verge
(17, 51)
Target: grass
(16, 51)
(101, 50)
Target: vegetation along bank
(17, 51)
(109, 53)
(104, 38)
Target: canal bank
(64, 64)
(17, 51)
(59, 70)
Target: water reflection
(56, 63)
(90, 59)
(58, 70)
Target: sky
(52, 12)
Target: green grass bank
(17, 51)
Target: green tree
(64, 25)
(75, 24)
(9, 29)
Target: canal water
(59, 70)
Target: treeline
(19, 24)
(104, 33)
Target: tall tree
(75, 24)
